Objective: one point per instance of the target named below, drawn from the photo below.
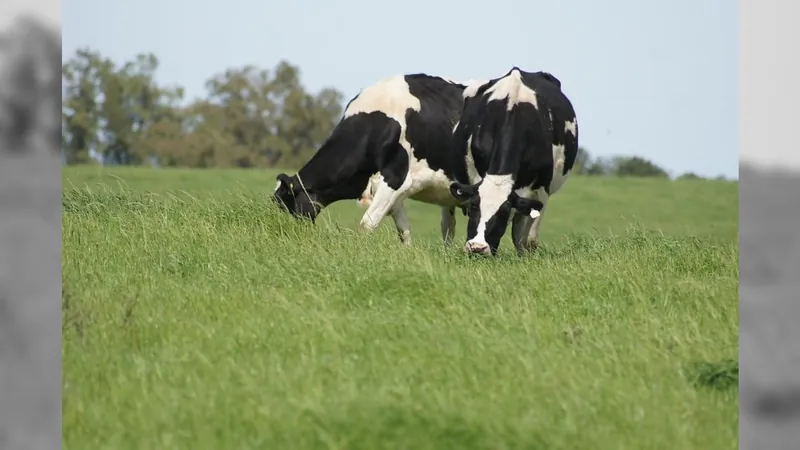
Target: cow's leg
(521, 227)
(393, 187)
(525, 231)
(401, 223)
(532, 243)
(383, 202)
(448, 224)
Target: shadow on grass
(721, 375)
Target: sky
(657, 79)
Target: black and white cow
(518, 140)
(392, 143)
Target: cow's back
(426, 108)
(390, 96)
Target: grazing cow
(518, 140)
(392, 143)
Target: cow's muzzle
(477, 248)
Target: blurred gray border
(30, 233)
(769, 226)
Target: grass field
(197, 317)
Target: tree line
(250, 117)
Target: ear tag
(291, 186)
(534, 214)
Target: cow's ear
(284, 180)
(527, 206)
(462, 192)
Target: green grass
(198, 317)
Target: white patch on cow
(429, 186)
(493, 192)
(472, 171)
(277, 186)
(512, 88)
(571, 127)
(466, 83)
(472, 88)
(472, 82)
(527, 192)
(559, 159)
(390, 96)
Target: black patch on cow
(361, 145)
(549, 94)
(356, 149)
(550, 77)
(496, 227)
(429, 131)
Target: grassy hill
(197, 316)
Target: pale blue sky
(652, 78)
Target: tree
(80, 106)
(599, 167)
(251, 117)
(635, 166)
(582, 161)
(689, 176)
(107, 108)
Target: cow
(517, 141)
(392, 143)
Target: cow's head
(293, 197)
(489, 204)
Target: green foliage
(251, 117)
(689, 176)
(637, 167)
(620, 166)
(197, 316)
(720, 375)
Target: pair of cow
(490, 148)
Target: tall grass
(197, 316)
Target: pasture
(197, 317)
